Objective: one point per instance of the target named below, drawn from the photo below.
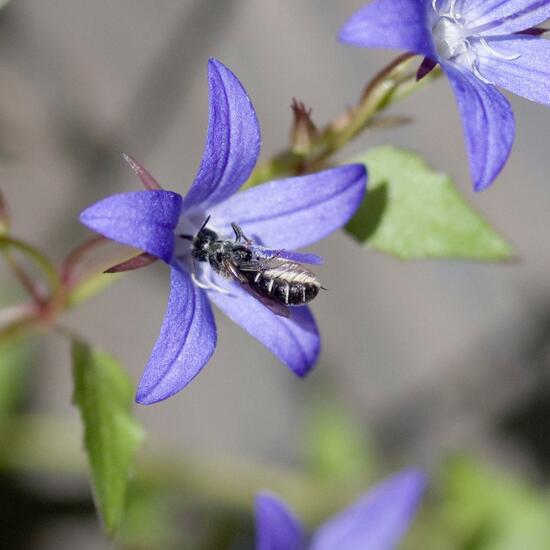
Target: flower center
(450, 38)
(455, 41)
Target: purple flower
(376, 521)
(285, 214)
(479, 44)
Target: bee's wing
(280, 264)
(272, 305)
(298, 257)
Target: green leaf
(104, 395)
(413, 212)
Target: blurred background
(421, 361)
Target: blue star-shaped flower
(285, 214)
(376, 521)
(479, 44)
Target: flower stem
(69, 266)
(17, 320)
(390, 85)
(24, 278)
(49, 269)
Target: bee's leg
(239, 234)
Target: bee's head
(201, 243)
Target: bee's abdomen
(289, 285)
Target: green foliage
(104, 395)
(413, 212)
(337, 449)
(490, 510)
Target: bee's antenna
(186, 237)
(205, 223)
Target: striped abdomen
(286, 282)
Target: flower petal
(232, 142)
(294, 340)
(392, 24)
(295, 212)
(186, 342)
(142, 219)
(376, 521)
(498, 17)
(277, 528)
(528, 75)
(488, 123)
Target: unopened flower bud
(303, 132)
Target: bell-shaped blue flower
(480, 44)
(286, 214)
(376, 521)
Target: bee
(272, 277)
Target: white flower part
(451, 13)
(458, 41)
(450, 38)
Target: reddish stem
(74, 257)
(26, 281)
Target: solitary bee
(271, 277)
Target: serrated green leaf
(104, 395)
(414, 212)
